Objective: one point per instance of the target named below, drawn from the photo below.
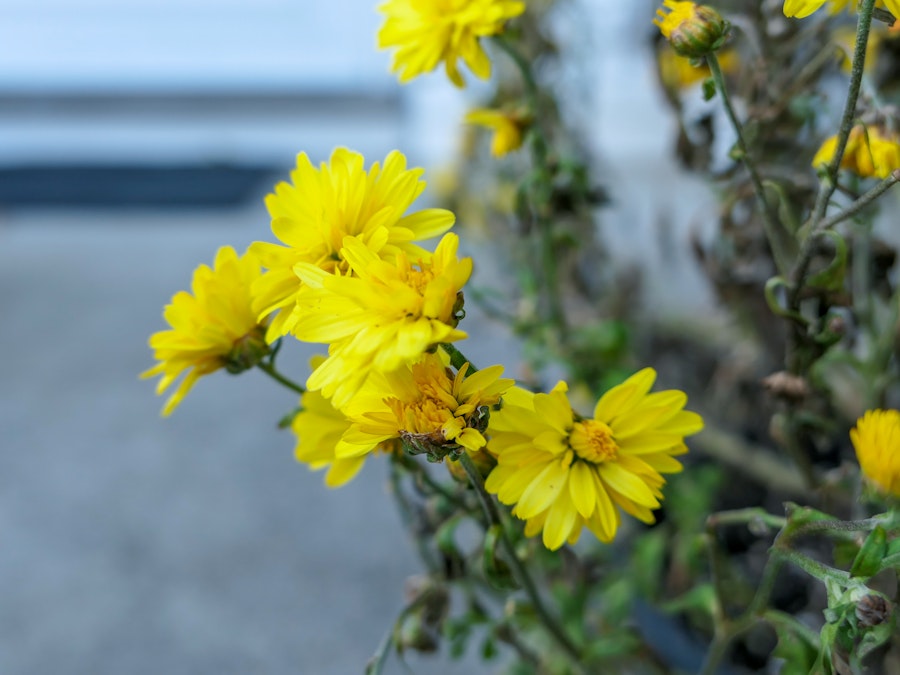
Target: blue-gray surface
(194, 544)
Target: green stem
(540, 195)
(770, 218)
(719, 648)
(828, 184)
(746, 516)
(859, 204)
(269, 370)
(521, 572)
(418, 471)
(783, 622)
(409, 519)
(813, 568)
(379, 658)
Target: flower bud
(247, 351)
(693, 30)
(872, 610)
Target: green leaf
(832, 277)
(702, 597)
(869, 559)
(445, 537)
(497, 572)
(799, 655)
(771, 291)
(709, 89)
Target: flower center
(593, 441)
(422, 416)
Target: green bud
(247, 351)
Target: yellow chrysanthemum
(507, 129)
(313, 214)
(871, 152)
(424, 405)
(802, 8)
(213, 327)
(382, 316)
(427, 32)
(876, 439)
(563, 471)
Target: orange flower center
(593, 441)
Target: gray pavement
(194, 544)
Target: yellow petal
(543, 490)
(581, 488)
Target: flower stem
(860, 203)
(521, 572)
(770, 218)
(269, 370)
(828, 184)
(539, 195)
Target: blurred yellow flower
(845, 39)
(564, 472)
(425, 405)
(871, 152)
(876, 439)
(680, 72)
(803, 8)
(320, 207)
(213, 327)
(507, 129)
(427, 32)
(382, 316)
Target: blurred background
(136, 138)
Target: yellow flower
(563, 471)
(427, 32)
(679, 72)
(803, 8)
(319, 427)
(320, 207)
(507, 129)
(426, 406)
(213, 327)
(876, 439)
(693, 30)
(871, 152)
(845, 39)
(382, 316)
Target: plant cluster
(558, 521)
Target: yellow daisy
(871, 152)
(427, 32)
(876, 439)
(507, 129)
(564, 472)
(381, 316)
(213, 327)
(426, 406)
(320, 206)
